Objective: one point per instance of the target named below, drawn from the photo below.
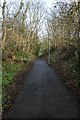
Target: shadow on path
(44, 96)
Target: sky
(47, 3)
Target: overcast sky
(47, 3)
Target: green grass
(0, 81)
(9, 71)
(0, 91)
(0, 103)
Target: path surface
(44, 95)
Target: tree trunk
(3, 24)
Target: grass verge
(14, 75)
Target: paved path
(44, 95)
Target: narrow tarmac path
(44, 95)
